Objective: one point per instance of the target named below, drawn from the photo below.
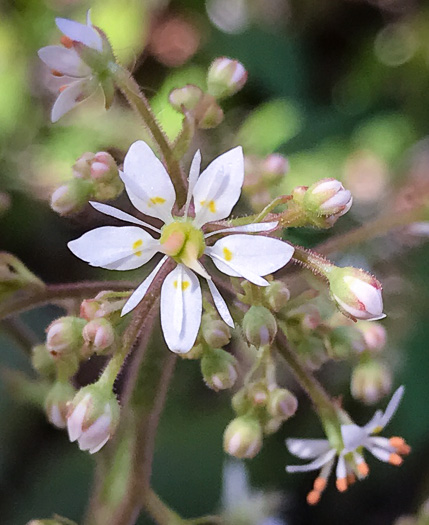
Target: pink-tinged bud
(93, 417)
(71, 197)
(57, 401)
(282, 404)
(259, 326)
(370, 382)
(64, 335)
(374, 335)
(225, 77)
(82, 167)
(218, 368)
(89, 309)
(99, 334)
(243, 437)
(274, 166)
(357, 293)
(258, 394)
(327, 197)
(185, 98)
(103, 167)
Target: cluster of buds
(95, 176)
(261, 175)
(224, 78)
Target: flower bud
(277, 295)
(370, 382)
(215, 332)
(56, 404)
(344, 341)
(218, 369)
(327, 197)
(208, 113)
(274, 166)
(312, 352)
(225, 77)
(92, 417)
(259, 326)
(90, 309)
(258, 394)
(240, 402)
(243, 437)
(42, 361)
(103, 167)
(185, 98)
(357, 293)
(282, 404)
(72, 196)
(374, 335)
(64, 335)
(82, 167)
(99, 334)
(108, 190)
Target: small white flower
(351, 462)
(79, 79)
(214, 194)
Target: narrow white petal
(353, 436)
(192, 179)
(75, 419)
(97, 434)
(374, 422)
(121, 215)
(220, 304)
(140, 292)
(392, 406)
(72, 95)
(379, 453)
(246, 255)
(99, 446)
(65, 61)
(247, 228)
(80, 33)
(147, 182)
(219, 186)
(115, 247)
(307, 448)
(186, 298)
(314, 465)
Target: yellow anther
(185, 285)
(136, 245)
(156, 200)
(227, 254)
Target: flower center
(183, 242)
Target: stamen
(351, 478)
(400, 445)
(62, 88)
(313, 497)
(319, 484)
(56, 73)
(395, 459)
(66, 42)
(341, 484)
(363, 469)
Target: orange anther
(404, 450)
(395, 459)
(66, 42)
(62, 88)
(319, 484)
(313, 497)
(342, 484)
(363, 469)
(351, 478)
(56, 73)
(397, 442)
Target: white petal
(220, 304)
(341, 470)
(314, 465)
(218, 187)
(353, 436)
(64, 60)
(72, 95)
(75, 420)
(392, 406)
(141, 290)
(184, 301)
(121, 215)
(307, 448)
(80, 33)
(192, 179)
(374, 422)
(147, 182)
(115, 247)
(379, 453)
(249, 256)
(94, 437)
(246, 228)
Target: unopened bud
(374, 335)
(56, 404)
(258, 393)
(42, 361)
(240, 402)
(72, 196)
(185, 98)
(327, 197)
(219, 369)
(259, 326)
(99, 334)
(103, 167)
(312, 352)
(370, 382)
(64, 335)
(215, 332)
(282, 404)
(243, 437)
(357, 293)
(277, 295)
(274, 166)
(90, 309)
(344, 341)
(225, 77)
(208, 113)
(93, 417)
(82, 167)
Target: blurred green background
(338, 86)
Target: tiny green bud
(311, 352)
(64, 336)
(243, 437)
(219, 369)
(282, 404)
(277, 295)
(327, 197)
(42, 361)
(185, 98)
(225, 77)
(259, 326)
(272, 425)
(371, 381)
(240, 402)
(72, 196)
(344, 340)
(82, 167)
(258, 393)
(56, 404)
(215, 332)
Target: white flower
(214, 193)
(351, 462)
(80, 81)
